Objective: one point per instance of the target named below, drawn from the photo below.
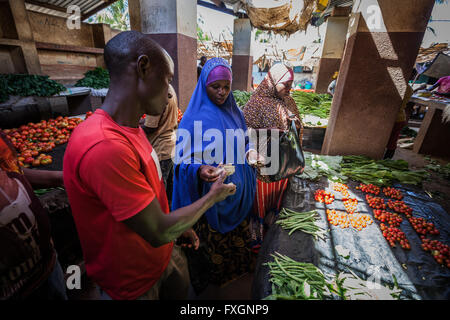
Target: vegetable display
(310, 103)
(303, 221)
(295, 280)
(380, 173)
(96, 79)
(34, 140)
(324, 196)
(241, 97)
(26, 85)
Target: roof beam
(106, 4)
(46, 5)
(222, 8)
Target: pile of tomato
(440, 251)
(394, 235)
(340, 187)
(400, 207)
(359, 221)
(324, 196)
(34, 140)
(369, 188)
(350, 204)
(393, 193)
(338, 218)
(422, 226)
(393, 219)
(180, 116)
(375, 202)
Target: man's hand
(209, 173)
(192, 238)
(221, 191)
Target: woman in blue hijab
(205, 142)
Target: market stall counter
(434, 132)
(380, 271)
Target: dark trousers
(167, 172)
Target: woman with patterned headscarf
(270, 108)
(224, 253)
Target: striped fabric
(269, 197)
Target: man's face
(218, 91)
(154, 91)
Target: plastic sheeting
(371, 257)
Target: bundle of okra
(303, 221)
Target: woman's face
(283, 89)
(218, 91)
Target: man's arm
(158, 228)
(42, 179)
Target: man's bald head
(127, 47)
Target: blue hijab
(188, 187)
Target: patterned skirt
(221, 258)
(268, 201)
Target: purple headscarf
(219, 73)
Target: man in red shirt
(114, 182)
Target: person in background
(270, 107)
(203, 60)
(443, 87)
(400, 123)
(225, 254)
(332, 85)
(115, 184)
(161, 132)
(29, 268)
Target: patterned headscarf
(265, 109)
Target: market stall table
(433, 135)
(370, 256)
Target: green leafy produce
(241, 97)
(310, 103)
(381, 172)
(317, 166)
(96, 79)
(293, 280)
(444, 171)
(4, 96)
(407, 131)
(303, 221)
(26, 85)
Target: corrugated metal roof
(59, 7)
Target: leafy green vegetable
(26, 85)
(317, 166)
(241, 97)
(96, 79)
(381, 172)
(4, 96)
(310, 103)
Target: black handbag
(291, 157)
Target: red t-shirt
(111, 173)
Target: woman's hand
(255, 159)
(209, 173)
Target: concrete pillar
(25, 35)
(172, 24)
(242, 62)
(333, 50)
(383, 42)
